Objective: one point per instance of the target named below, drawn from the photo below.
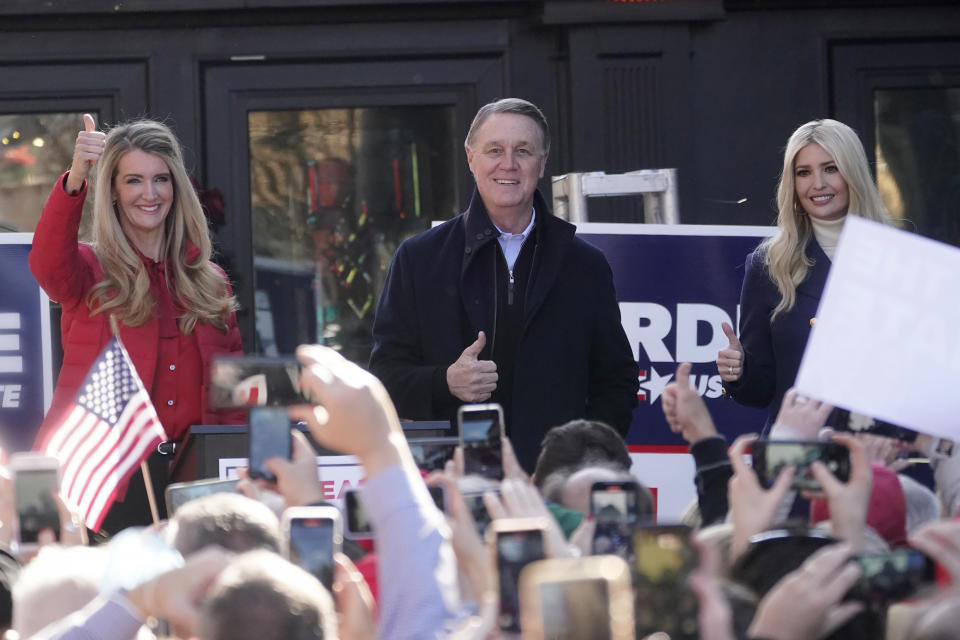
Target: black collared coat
(572, 360)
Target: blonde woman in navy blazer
(825, 177)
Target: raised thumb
(731, 336)
(683, 375)
(474, 350)
(89, 124)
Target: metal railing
(657, 186)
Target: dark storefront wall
(715, 97)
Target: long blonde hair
(124, 290)
(785, 253)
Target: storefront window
(333, 193)
(35, 149)
(918, 159)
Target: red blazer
(66, 270)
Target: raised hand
(685, 410)
(471, 379)
(752, 507)
(808, 603)
(805, 416)
(730, 360)
(86, 151)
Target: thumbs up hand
(685, 410)
(471, 379)
(86, 151)
(730, 360)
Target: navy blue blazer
(772, 350)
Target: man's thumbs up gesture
(471, 379)
(730, 360)
(86, 151)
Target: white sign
(886, 341)
(336, 473)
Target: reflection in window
(333, 193)
(35, 149)
(918, 158)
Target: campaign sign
(676, 285)
(26, 377)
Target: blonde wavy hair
(125, 289)
(784, 254)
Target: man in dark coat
(504, 303)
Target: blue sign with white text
(25, 367)
(676, 285)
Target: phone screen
(312, 547)
(664, 559)
(770, 456)
(36, 509)
(269, 436)
(576, 609)
(178, 495)
(480, 433)
(515, 550)
(614, 508)
(255, 381)
(894, 575)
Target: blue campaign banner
(676, 285)
(26, 376)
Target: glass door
(326, 168)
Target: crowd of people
(754, 576)
(757, 555)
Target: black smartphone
(664, 557)
(845, 420)
(311, 536)
(894, 575)
(516, 542)
(35, 477)
(255, 381)
(481, 436)
(358, 525)
(431, 454)
(614, 509)
(269, 437)
(180, 493)
(769, 456)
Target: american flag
(108, 430)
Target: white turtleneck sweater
(827, 233)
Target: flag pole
(144, 469)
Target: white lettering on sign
(10, 396)
(647, 324)
(10, 342)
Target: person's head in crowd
(577, 443)
(228, 520)
(825, 176)
(57, 582)
(576, 490)
(261, 596)
(142, 162)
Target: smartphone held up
(35, 478)
(481, 435)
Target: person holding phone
(825, 177)
(147, 267)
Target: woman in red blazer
(148, 267)
(825, 178)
